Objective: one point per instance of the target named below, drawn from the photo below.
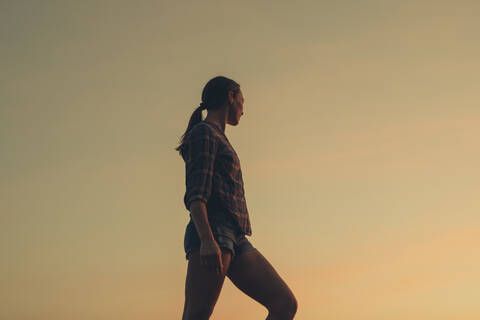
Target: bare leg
(256, 277)
(202, 287)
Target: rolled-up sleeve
(200, 150)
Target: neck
(217, 117)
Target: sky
(358, 147)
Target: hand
(211, 255)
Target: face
(235, 109)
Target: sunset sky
(359, 149)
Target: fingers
(220, 265)
(213, 262)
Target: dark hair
(214, 96)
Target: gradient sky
(359, 151)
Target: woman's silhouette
(215, 242)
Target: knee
(284, 309)
(294, 307)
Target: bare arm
(200, 219)
(210, 253)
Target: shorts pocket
(224, 232)
(191, 236)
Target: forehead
(240, 94)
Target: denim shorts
(226, 236)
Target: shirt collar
(215, 125)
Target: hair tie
(203, 106)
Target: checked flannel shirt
(213, 175)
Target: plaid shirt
(213, 175)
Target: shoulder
(203, 126)
(201, 131)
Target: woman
(215, 242)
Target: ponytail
(195, 118)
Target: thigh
(203, 285)
(255, 276)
